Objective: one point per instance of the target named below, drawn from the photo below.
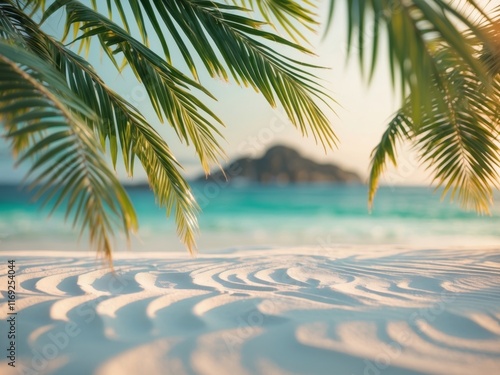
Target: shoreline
(251, 249)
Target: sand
(353, 311)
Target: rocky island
(282, 165)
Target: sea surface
(251, 216)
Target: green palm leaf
(460, 144)
(37, 106)
(122, 125)
(227, 43)
(412, 28)
(457, 137)
(169, 90)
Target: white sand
(358, 311)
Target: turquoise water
(267, 216)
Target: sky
(361, 112)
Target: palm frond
(120, 125)
(224, 40)
(169, 90)
(137, 138)
(68, 166)
(461, 143)
(411, 28)
(458, 137)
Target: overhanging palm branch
(169, 90)
(228, 44)
(458, 136)
(46, 122)
(123, 123)
(411, 29)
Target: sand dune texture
(338, 311)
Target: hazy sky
(252, 126)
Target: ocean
(252, 216)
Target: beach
(158, 218)
(354, 310)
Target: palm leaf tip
(398, 130)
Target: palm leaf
(460, 144)
(227, 43)
(121, 125)
(411, 28)
(457, 137)
(68, 166)
(168, 89)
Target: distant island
(282, 165)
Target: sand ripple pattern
(353, 312)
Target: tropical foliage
(456, 131)
(60, 114)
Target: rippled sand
(353, 311)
